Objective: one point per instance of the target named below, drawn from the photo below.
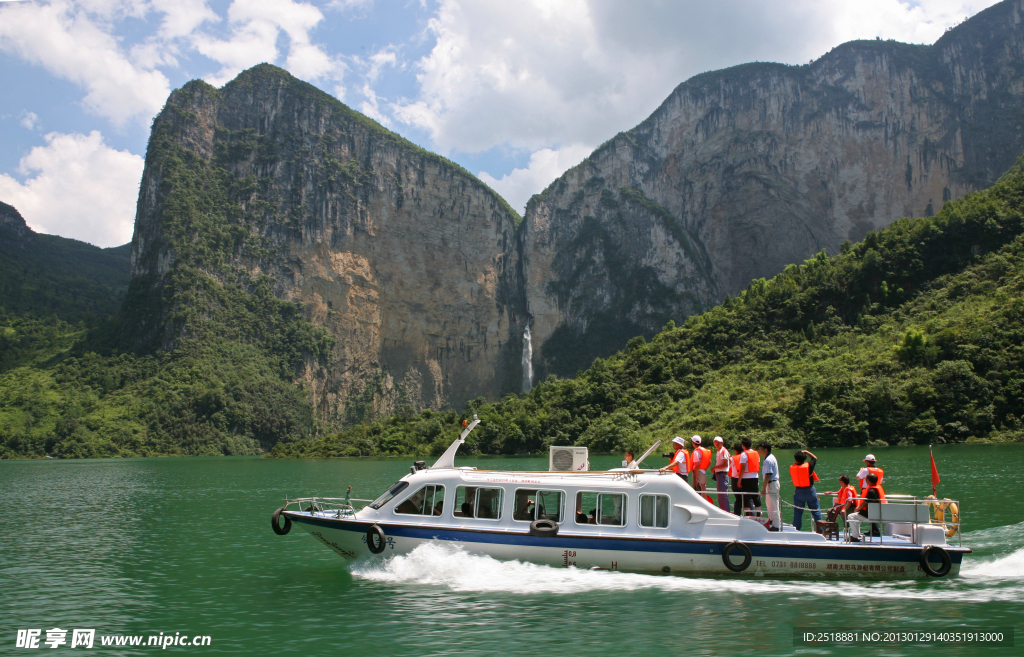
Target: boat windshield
(389, 495)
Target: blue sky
(516, 92)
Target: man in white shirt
(680, 460)
(721, 472)
(700, 476)
(631, 463)
(869, 468)
(770, 487)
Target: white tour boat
(637, 521)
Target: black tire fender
(926, 566)
(543, 527)
(375, 539)
(276, 524)
(732, 547)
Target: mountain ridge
(764, 164)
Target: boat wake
(998, 576)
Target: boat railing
(901, 513)
(333, 507)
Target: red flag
(935, 471)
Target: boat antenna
(657, 443)
(447, 459)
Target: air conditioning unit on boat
(568, 459)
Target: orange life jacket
(685, 462)
(734, 471)
(881, 493)
(878, 472)
(753, 461)
(701, 458)
(846, 493)
(798, 473)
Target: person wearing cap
(770, 487)
(700, 460)
(721, 473)
(680, 460)
(869, 468)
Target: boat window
(427, 501)
(586, 508)
(538, 505)
(654, 511)
(389, 495)
(473, 502)
(611, 509)
(601, 509)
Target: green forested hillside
(912, 336)
(47, 275)
(220, 392)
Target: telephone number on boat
(991, 636)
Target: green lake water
(144, 546)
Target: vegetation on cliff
(914, 335)
(47, 275)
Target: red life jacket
(878, 472)
(846, 493)
(798, 473)
(753, 461)
(685, 462)
(881, 493)
(701, 458)
(734, 471)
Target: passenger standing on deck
(750, 469)
(680, 463)
(803, 475)
(734, 479)
(631, 463)
(700, 460)
(771, 485)
(869, 468)
(721, 471)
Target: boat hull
(348, 538)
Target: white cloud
(255, 28)
(29, 120)
(69, 45)
(346, 5)
(533, 73)
(79, 188)
(545, 165)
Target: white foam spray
(444, 564)
(527, 360)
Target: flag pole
(935, 472)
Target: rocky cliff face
(12, 225)
(743, 171)
(427, 280)
(407, 260)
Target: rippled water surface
(184, 545)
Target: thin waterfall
(527, 360)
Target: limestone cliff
(13, 225)
(743, 171)
(406, 259)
